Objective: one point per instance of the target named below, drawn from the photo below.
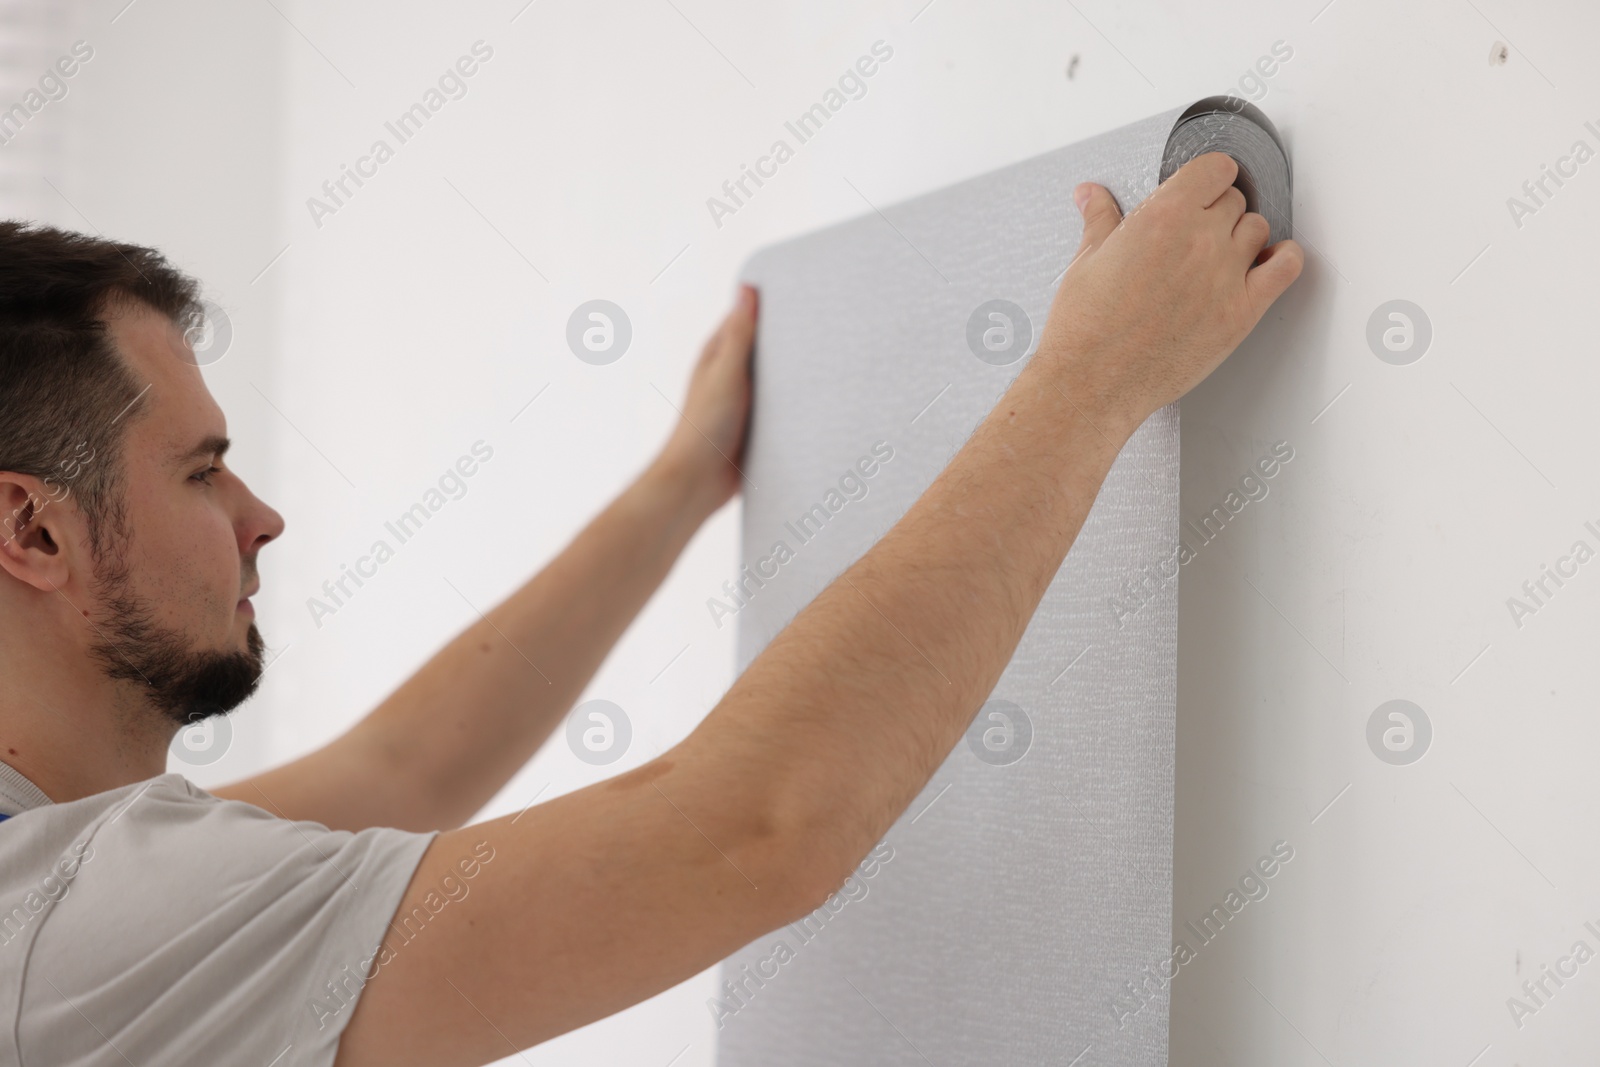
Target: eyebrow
(215, 445)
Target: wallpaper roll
(1020, 911)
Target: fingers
(737, 329)
(1251, 233)
(1229, 207)
(1100, 214)
(1280, 266)
(1204, 178)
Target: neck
(68, 728)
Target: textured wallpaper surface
(1020, 911)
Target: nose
(273, 526)
(259, 524)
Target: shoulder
(168, 840)
(164, 850)
(178, 899)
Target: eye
(204, 477)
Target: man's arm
(434, 752)
(605, 896)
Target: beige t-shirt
(158, 924)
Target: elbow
(799, 842)
(812, 866)
(809, 883)
(792, 872)
(827, 882)
(794, 867)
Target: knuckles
(1254, 228)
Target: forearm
(438, 748)
(473, 715)
(850, 710)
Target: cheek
(188, 562)
(216, 561)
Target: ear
(37, 531)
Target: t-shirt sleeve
(207, 931)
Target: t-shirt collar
(17, 794)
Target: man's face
(172, 584)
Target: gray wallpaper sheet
(1020, 911)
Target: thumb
(1100, 213)
(1279, 267)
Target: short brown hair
(65, 393)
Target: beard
(183, 683)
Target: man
(336, 910)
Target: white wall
(411, 324)
(1380, 566)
